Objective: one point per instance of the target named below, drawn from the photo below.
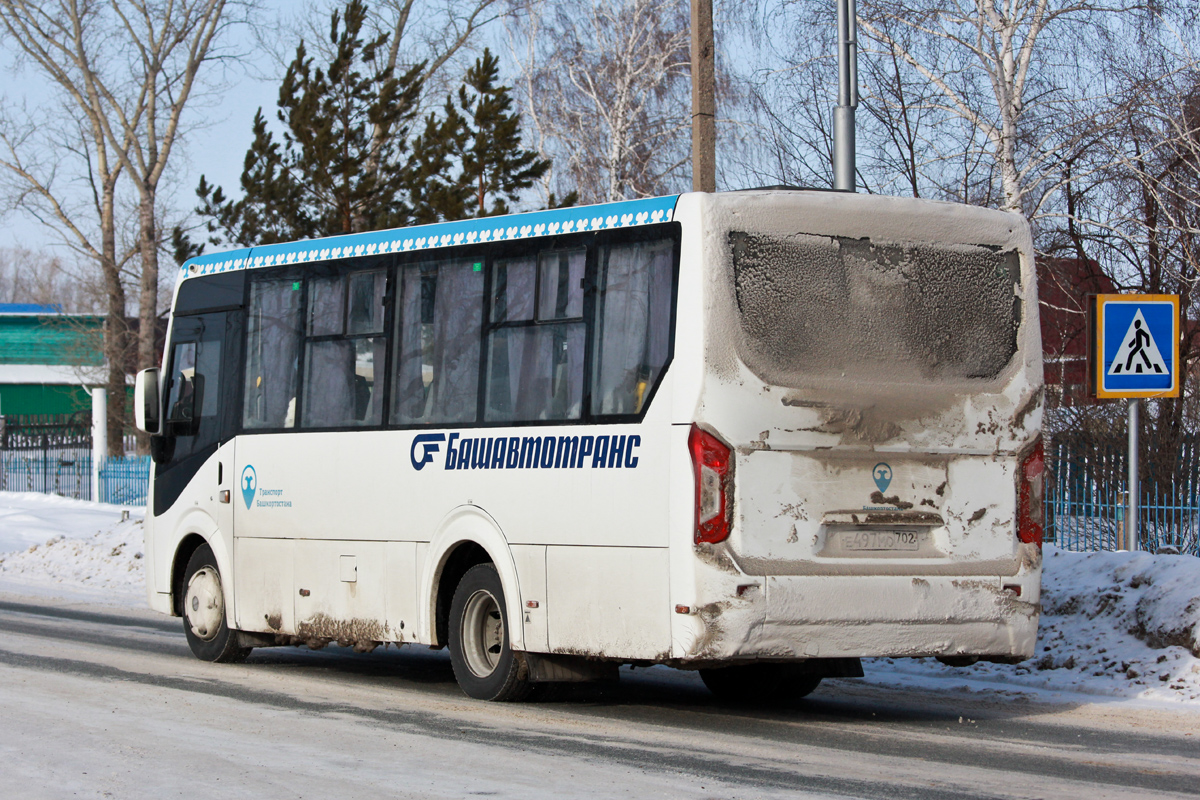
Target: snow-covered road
(108, 702)
(100, 697)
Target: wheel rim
(204, 604)
(482, 633)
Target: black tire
(203, 603)
(760, 684)
(484, 664)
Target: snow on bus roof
(553, 222)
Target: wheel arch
(466, 537)
(196, 530)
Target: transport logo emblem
(882, 474)
(427, 444)
(249, 484)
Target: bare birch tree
(1131, 203)
(43, 144)
(605, 89)
(123, 71)
(973, 100)
(1003, 67)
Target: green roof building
(48, 360)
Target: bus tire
(208, 635)
(760, 684)
(483, 661)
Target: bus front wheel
(483, 661)
(209, 636)
(759, 684)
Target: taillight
(1030, 493)
(710, 464)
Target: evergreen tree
(332, 174)
(346, 164)
(494, 165)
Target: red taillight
(710, 464)
(1030, 492)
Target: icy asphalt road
(108, 702)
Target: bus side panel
(609, 601)
(340, 591)
(264, 583)
(196, 511)
(688, 575)
(530, 561)
(400, 589)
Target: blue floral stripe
(443, 234)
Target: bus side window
(437, 330)
(535, 362)
(272, 354)
(513, 289)
(633, 319)
(184, 402)
(193, 396)
(560, 284)
(344, 344)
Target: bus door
(194, 456)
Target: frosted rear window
(829, 308)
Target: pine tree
(326, 178)
(493, 163)
(331, 175)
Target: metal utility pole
(704, 103)
(843, 115)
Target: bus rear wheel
(760, 684)
(208, 635)
(484, 664)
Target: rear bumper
(795, 617)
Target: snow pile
(49, 542)
(1118, 624)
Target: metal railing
(59, 471)
(53, 455)
(125, 481)
(1086, 502)
(47, 454)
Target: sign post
(1135, 355)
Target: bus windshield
(836, 309)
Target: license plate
(881, 540)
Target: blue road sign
(1137, 336)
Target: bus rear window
(820, 308)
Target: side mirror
(147, 402)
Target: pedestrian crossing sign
(1137, 341)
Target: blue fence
(58, 471)
(1086, 501)
(124, 481)
(53, 455)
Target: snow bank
(1116, 624)
(56, 545)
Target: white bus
(760, 434)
